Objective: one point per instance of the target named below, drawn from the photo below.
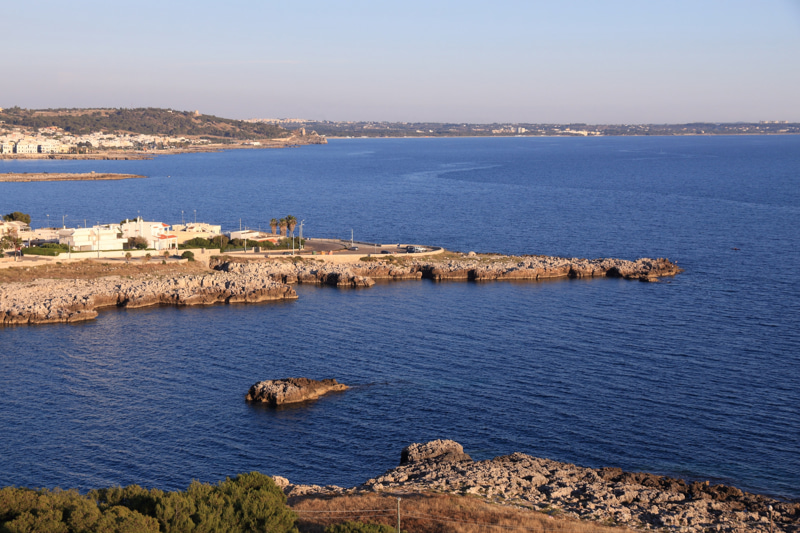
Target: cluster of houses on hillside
(53, 140)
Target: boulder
(440, 450)
(291, 390)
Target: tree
(284, 225)
(291, 222)
(17, 216)
(127, 257)
(137, 243)
(274, 225)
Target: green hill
(149, 121)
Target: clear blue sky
(595, 61)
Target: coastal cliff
(605, 495)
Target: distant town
(525, 129)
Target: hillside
(148, 121)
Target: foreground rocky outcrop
(277, 392)
(606, 495)
(466, 268)
(56, 300)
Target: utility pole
(351, 237)
(398, 515)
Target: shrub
(39, 250)
(188, 255)
(359, 527)
(138, 243)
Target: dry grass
(89, 269)
(434, 513)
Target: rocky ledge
(56, 300)
(466, 268)
(291, 390)
(606, 495)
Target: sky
(560, 61)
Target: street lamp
(195, 216)
(63, 224)
(301, 233)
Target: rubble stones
(637, 500)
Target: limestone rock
(436, 450)
(291, 390)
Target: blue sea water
(695, 377)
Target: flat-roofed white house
(157, 234)
(26, 147)
(97, 238)
(16, 227)
(198, 227)
(253, 235)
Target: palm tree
(283, 224)
(274, 225)
(291, 222)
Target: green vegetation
(149, 121)
(248, 502)
(17, 216)
(188, 255)
(49, 248)
(137, 243)
(222, 243)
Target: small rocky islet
(605, 495)
(234, 281)
(276, 392)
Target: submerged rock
(291, 390)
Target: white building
(14, 227)
(157, 234)
(25, 147)
(102, 238)
(198, 227)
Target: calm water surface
(697, 377)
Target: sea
(696, 377)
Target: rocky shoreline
(46, 301)
(604, 495)
(53, 300)
(65, 176)
(464, 268)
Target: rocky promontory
(277, 392)
(248, 281)
(606, 495)
(45, 301)
(462, 268)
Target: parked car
(353, 248)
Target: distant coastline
(65, 176)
